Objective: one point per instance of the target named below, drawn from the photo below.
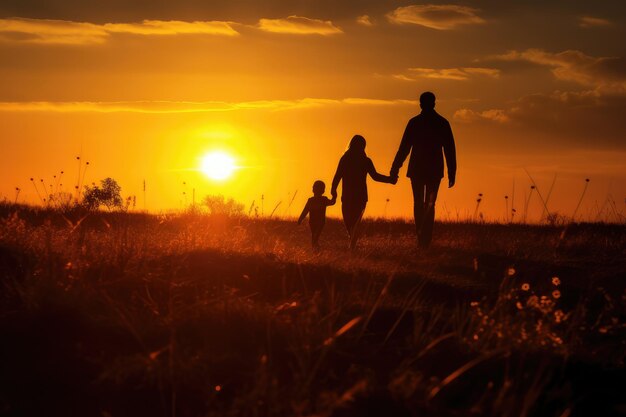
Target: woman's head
(357, 144)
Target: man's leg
(418, 204)
(432, 188)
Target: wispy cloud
(440, 17)
(604, 73)
(457, 74)
(45, 31)
(365, 20)
(591, 22)
(299, 25)
(493, 115)
(581, 115)
(157, 107)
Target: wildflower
(532, 301)
(556, 294)
(556, 281)
(525, 286)
(519, 305)
(559, 316)
(474, 303)
(218, 388)
(510, 272)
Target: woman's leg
(352, 214)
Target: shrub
(107, 195)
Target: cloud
(591, 22)
(158, 107)
(458, 74)
(493, 115)
(172, 27)
(299, 26)
(44, 31)
(577, 116)
(603, 73)
(440, 17)
(364, 20)
(52, 31)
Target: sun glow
(218, 165)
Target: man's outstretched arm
(449, 150)
(403, 151)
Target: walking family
(427, 138)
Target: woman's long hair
(356, 146)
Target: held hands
(393, 176)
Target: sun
(218, 165)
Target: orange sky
(143, 91)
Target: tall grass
(195, 314)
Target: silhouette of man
(424, 137)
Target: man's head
(427, 101)
(319, 187)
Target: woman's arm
(338, 176)
(379, 177)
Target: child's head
(319, 187)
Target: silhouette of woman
(353, 168)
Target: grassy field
(117, 314)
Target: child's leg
(316, 231)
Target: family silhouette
(427, 138)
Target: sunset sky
(143, 89)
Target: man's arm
(403, 151)
(449, 150)
(305, 211)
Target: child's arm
(332, 201)
(305, 211)
(380, 177)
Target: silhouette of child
(316, 209)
